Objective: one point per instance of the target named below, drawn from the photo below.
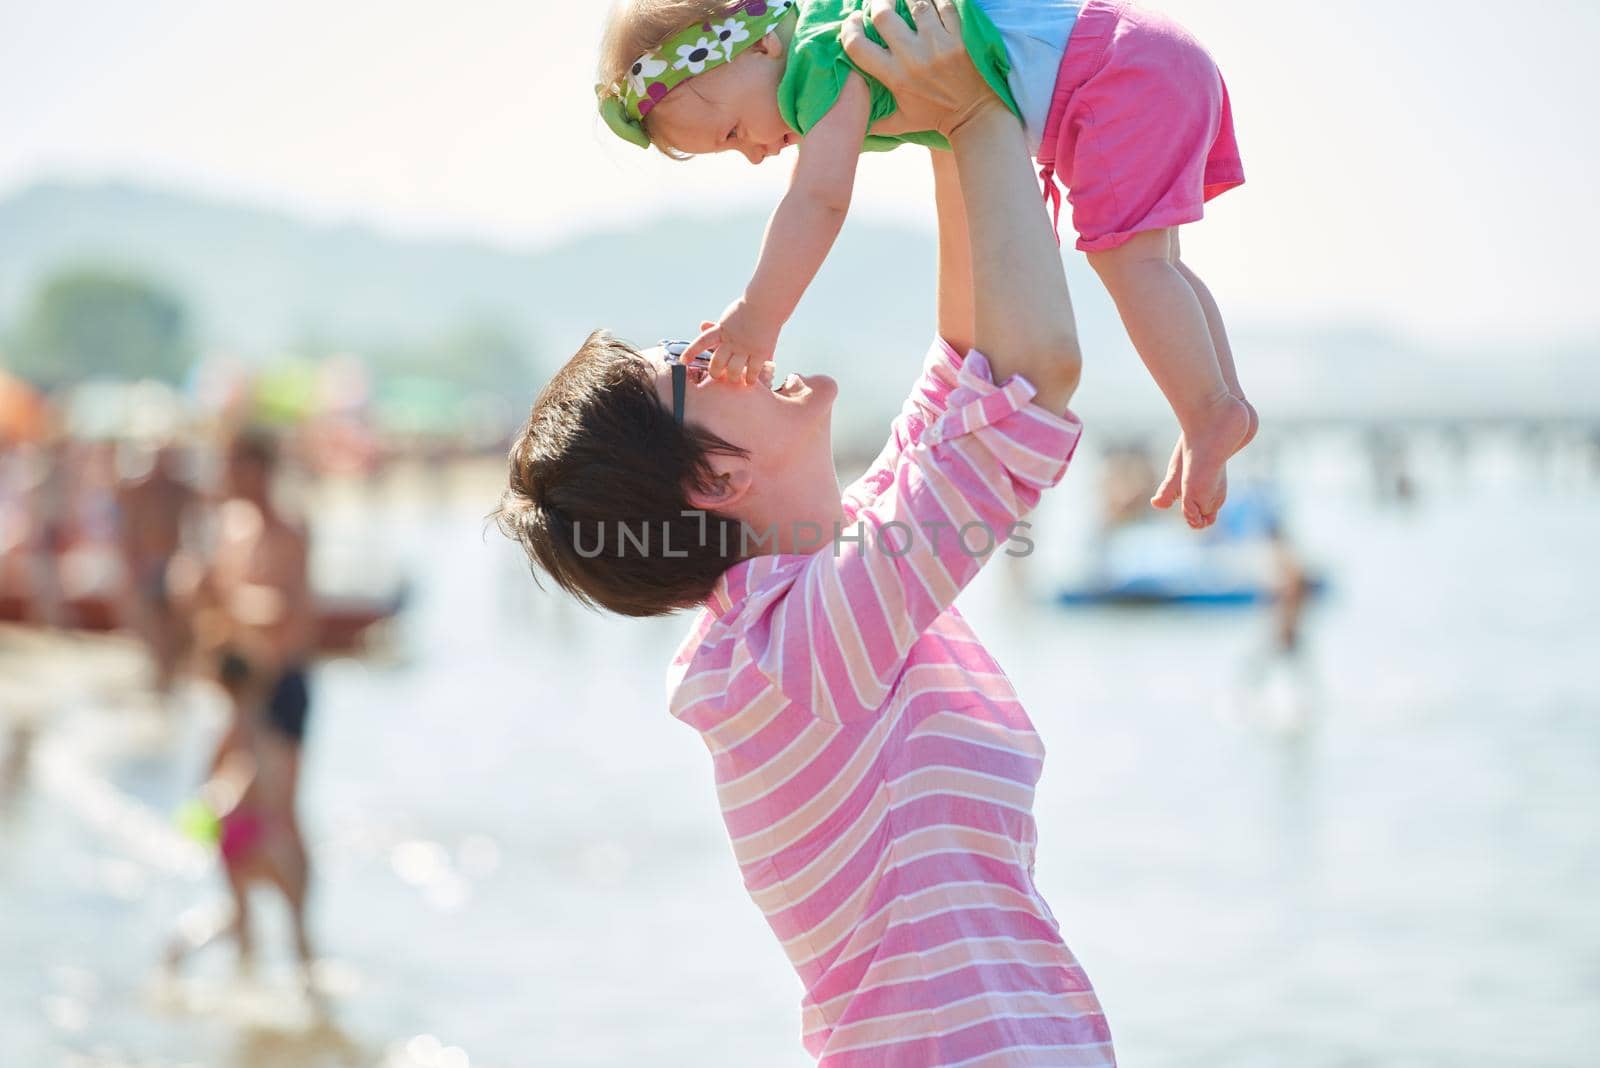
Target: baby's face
(733, 107)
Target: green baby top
(818, 67)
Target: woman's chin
(824, 388)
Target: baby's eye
(732, 134)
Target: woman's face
(785, 426)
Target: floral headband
(693, 50)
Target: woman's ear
(730, 482)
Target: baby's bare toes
(1171, 486)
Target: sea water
(1387, 856)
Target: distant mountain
(260, 281)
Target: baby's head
(666, 78)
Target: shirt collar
(757, 578)
(732, 587)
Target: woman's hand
(1021, 310)
(928, 70)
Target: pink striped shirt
(873, 764)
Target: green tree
(471, 380)
(478, 355)
(97, 322)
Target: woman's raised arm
(955, 254)
(1022, 312)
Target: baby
(1122, 105)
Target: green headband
(690, 51)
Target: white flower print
(693, 57)
(730, 33)
(643, 70)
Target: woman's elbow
(1058, 362)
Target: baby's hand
(741, 344)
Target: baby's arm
(800, 234)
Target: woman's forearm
(1022, 313)
(955, 254)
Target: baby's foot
(1197, 472)
(1250, 434)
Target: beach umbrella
(23, 413)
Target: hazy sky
(1423, 164)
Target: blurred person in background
(1279, 688)
(47, 529)
(14, 484)
(153, 509)
(1291, 589)
(249, 793)
(254, 594)
(1128, 470)
(17, 733)
(258, 574)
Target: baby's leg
(1172, 485)
(239, 890)
(1169, 327)
(1219, 333)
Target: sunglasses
(671, 353)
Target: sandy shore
(42, 668)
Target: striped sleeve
(972, 464)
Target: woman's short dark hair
(598, 495)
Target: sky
(1425, 166)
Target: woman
(874, 767)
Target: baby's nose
(754, 153)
